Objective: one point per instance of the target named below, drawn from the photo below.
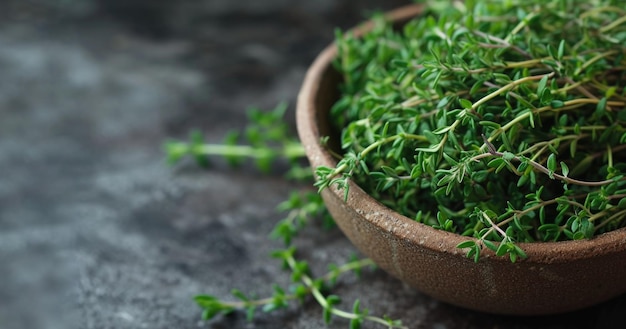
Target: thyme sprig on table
(267, 140)
(501, 121)
(304, 285)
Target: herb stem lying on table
(290, 151)
(304, 285)
(267, 137)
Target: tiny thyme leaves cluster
(500, 121)
(268, 140)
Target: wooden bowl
(556, 277)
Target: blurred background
(96, 231)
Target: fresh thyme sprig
(268, 139)
(303, 285)
(484, 118)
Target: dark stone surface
(97, 232)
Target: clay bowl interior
(556, 277)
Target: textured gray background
(97, 232)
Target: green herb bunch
(504, 121)
(267, 140)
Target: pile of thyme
(499, 120)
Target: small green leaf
(175, 151)
(237, 293)
(552, 162)
(442, 130)
(432, 137)
(430, 149)
(490, 245)
(466, 244)
(541, 86)
(476, 252)
(327, 315)
(519, 252)
(250, 311)
(333, 300)
(508, 156)
(495, 163)
(556, 104)
(355, 323)
(573, 147)
(564, 169)
(502, 249)
(601, 107)
(490, 124)
(356, 306)
(465, 103)
(561, 50)
(523, 180)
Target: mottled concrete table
(97, 232)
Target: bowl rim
(412, 231)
